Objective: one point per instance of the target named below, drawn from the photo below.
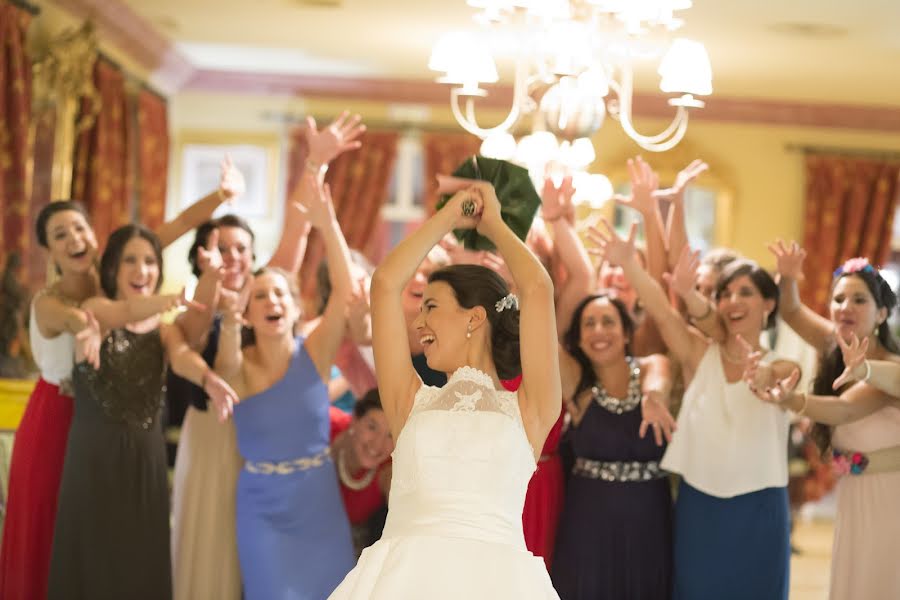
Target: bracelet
(221, 195)
(868, 371)
(708, 312)
(314, 167)
(203, 378)
(802, 410)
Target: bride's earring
(469, 331)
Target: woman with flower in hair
(858, 423)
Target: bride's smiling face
(441, 327)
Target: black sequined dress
(112, 527)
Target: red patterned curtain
(443, 153)
(850, 205)
(15, 118)
(359, 184)
(103, 177)
(153, 157)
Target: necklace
(631, 401)
(347, 480)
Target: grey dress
(112, 527)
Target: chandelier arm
(664, 140)
(671, 142)
(470, 123)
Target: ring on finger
(468, 208)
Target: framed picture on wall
(199, 170)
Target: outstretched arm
(189, 365)
(556, 204)
(326, 338)
(882, 374)
(113, 314)
(700, 310)
(333, 140)
(676, 228)
(815, 329)
(195, 324)
(686, 346)
(231, 185)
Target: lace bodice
(462, 463)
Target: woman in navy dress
(615, 533)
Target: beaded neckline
(621, 405)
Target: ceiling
(828, 51)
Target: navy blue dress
(615, 537)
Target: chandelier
(573, 65)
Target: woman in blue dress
(293, 536)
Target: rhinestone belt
(618, 471)
(286, 467)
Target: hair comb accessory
(507, 301)
(855, 265)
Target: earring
(469, 331)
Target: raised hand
(87, 342)
(495, 263)
(490, 219)
(220, 393)
(683, 277)
(612, 248)
(209, 258)
(854, 354)
(644, 183)
(231, 182)
(233, 304)
(339, 136)
(789, 258)
(655, 414)
(467, 206)
(684, 177)
(779, 393)
(556, 202)
(318, 206)
(758, 375)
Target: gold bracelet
(803, 408)
(221, 195)
(868, 372)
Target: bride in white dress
(464, 452)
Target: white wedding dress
(461, 468)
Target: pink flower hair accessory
(854, 265)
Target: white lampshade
(685, 68)
(499, 145)
(583, 152)
(464, 58)
(592, 189)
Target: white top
(729, 442)
(55, 357)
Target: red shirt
(359, 504)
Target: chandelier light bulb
(537, 148)
(464, 58)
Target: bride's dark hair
(474, 285)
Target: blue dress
(293, 535)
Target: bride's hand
(466, 206)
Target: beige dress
(204, 543)
(866, 551)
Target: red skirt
(544, 500)
(34, 475)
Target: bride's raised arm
(541, 390)
(397, 379)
